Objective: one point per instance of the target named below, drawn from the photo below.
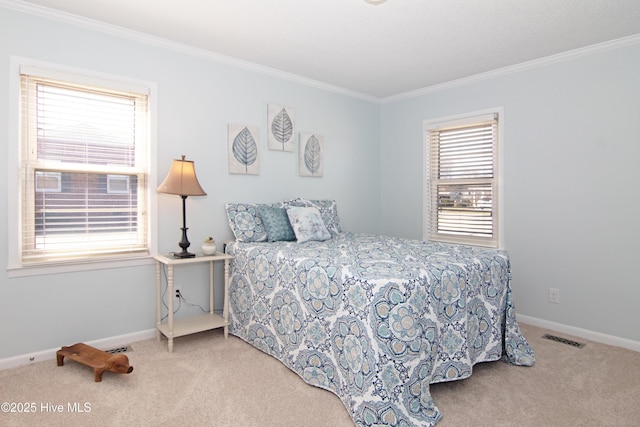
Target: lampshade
(182, 180)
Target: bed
(373, 319)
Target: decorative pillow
(298, 202)
(276, 223)
(245, 222)
(307, 224)
(328, 210)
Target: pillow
(329, 212)
(307, 224)
(245, 222)
(276, 223)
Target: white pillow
(307, 224)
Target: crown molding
(140, 37)
(529, 65)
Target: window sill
(72, 267)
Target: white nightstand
(185, 326)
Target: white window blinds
(84, 171)
(463, 181)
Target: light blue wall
(571, 182)
(197, 98)
(571, 140)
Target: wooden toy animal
(99, 360)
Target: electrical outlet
(554, 295)
(176, 293)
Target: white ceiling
(375, 50)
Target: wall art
(244, 152)
(282, 126)
(311, 154)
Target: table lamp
(182, 181)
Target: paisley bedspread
(376, 319)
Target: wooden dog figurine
(99, 360)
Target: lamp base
(184, 244)
(183, 254)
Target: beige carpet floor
(209, 382)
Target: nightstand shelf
(191, 325)
(184, 326)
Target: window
(117, 184)
(84, 168)
(48, 181)
(462, 180)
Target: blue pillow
(276, 223)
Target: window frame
(429, 211)
(15, 267)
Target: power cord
(186, 301)
(181, 298)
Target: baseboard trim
(126, 339)
(105, 343)
(582, 333)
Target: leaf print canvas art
(311, 154)
(244, 154)
(281, 128)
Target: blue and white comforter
(376, 319)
